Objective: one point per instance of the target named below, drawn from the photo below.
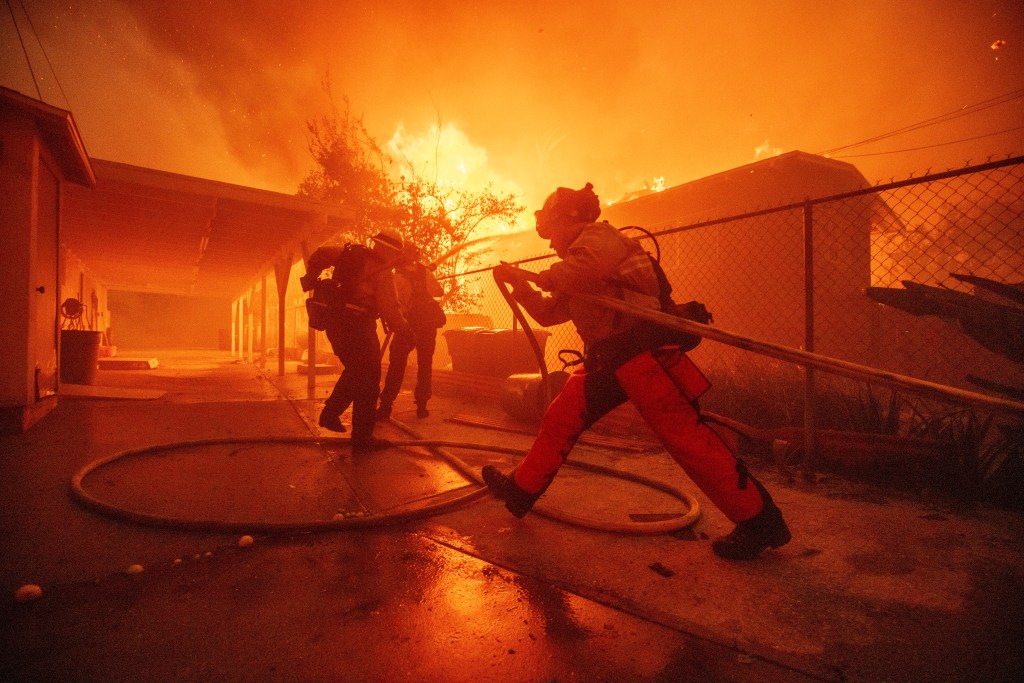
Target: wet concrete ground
(875, 585)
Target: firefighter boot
(331, 421)
(765, 530)
(383, 411)
(503, 486)
(421, 410)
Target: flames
(444, 154)
(765, 150)
(656, 184)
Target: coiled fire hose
(437, 447)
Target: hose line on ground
(438, 447)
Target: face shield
(566, 207)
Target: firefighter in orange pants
(626, 359)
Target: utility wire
(21, 40)
(56, 80)
(942, 118)
(914, 149)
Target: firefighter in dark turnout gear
(418, 291)
(352, 331)
(625, 359)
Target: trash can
(79, 356)
(462, 348)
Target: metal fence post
(810, 455)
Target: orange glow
(447, 155)
(766, 150)
(543, 95)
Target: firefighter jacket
(373, 290)
(601, 261)
(418, 290)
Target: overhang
(58, 132)
(145, 230)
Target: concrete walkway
(876, 586)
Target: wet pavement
(375, 579)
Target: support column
(263, 321)
(234, 328)
(310, 345)
(282, 272)
(241, 327)
(250, 333)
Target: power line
(914, 149)
(942, 118)
(28, 59)
(39, 41)
(24, 50)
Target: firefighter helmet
(390, 238)
(566, 206)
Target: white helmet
(389, 238)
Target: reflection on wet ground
(471, 594)
(353, 606)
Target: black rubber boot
(384, 411)
(330, 421)
(503, 486)
(421, 410)
(753, 536)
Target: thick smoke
(614, 93)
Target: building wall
(31, 277)
(165, 321)
(19, 152)
(78, 283)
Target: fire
(766, 150)
(656, 184)
(445, 155)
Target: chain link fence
(923, 278)
(909, 278)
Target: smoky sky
(615, 93)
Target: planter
(527, 396)
(495, 353)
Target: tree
(351, 168)
(440, 219)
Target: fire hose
(437, 447)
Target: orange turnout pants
(664, 385)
